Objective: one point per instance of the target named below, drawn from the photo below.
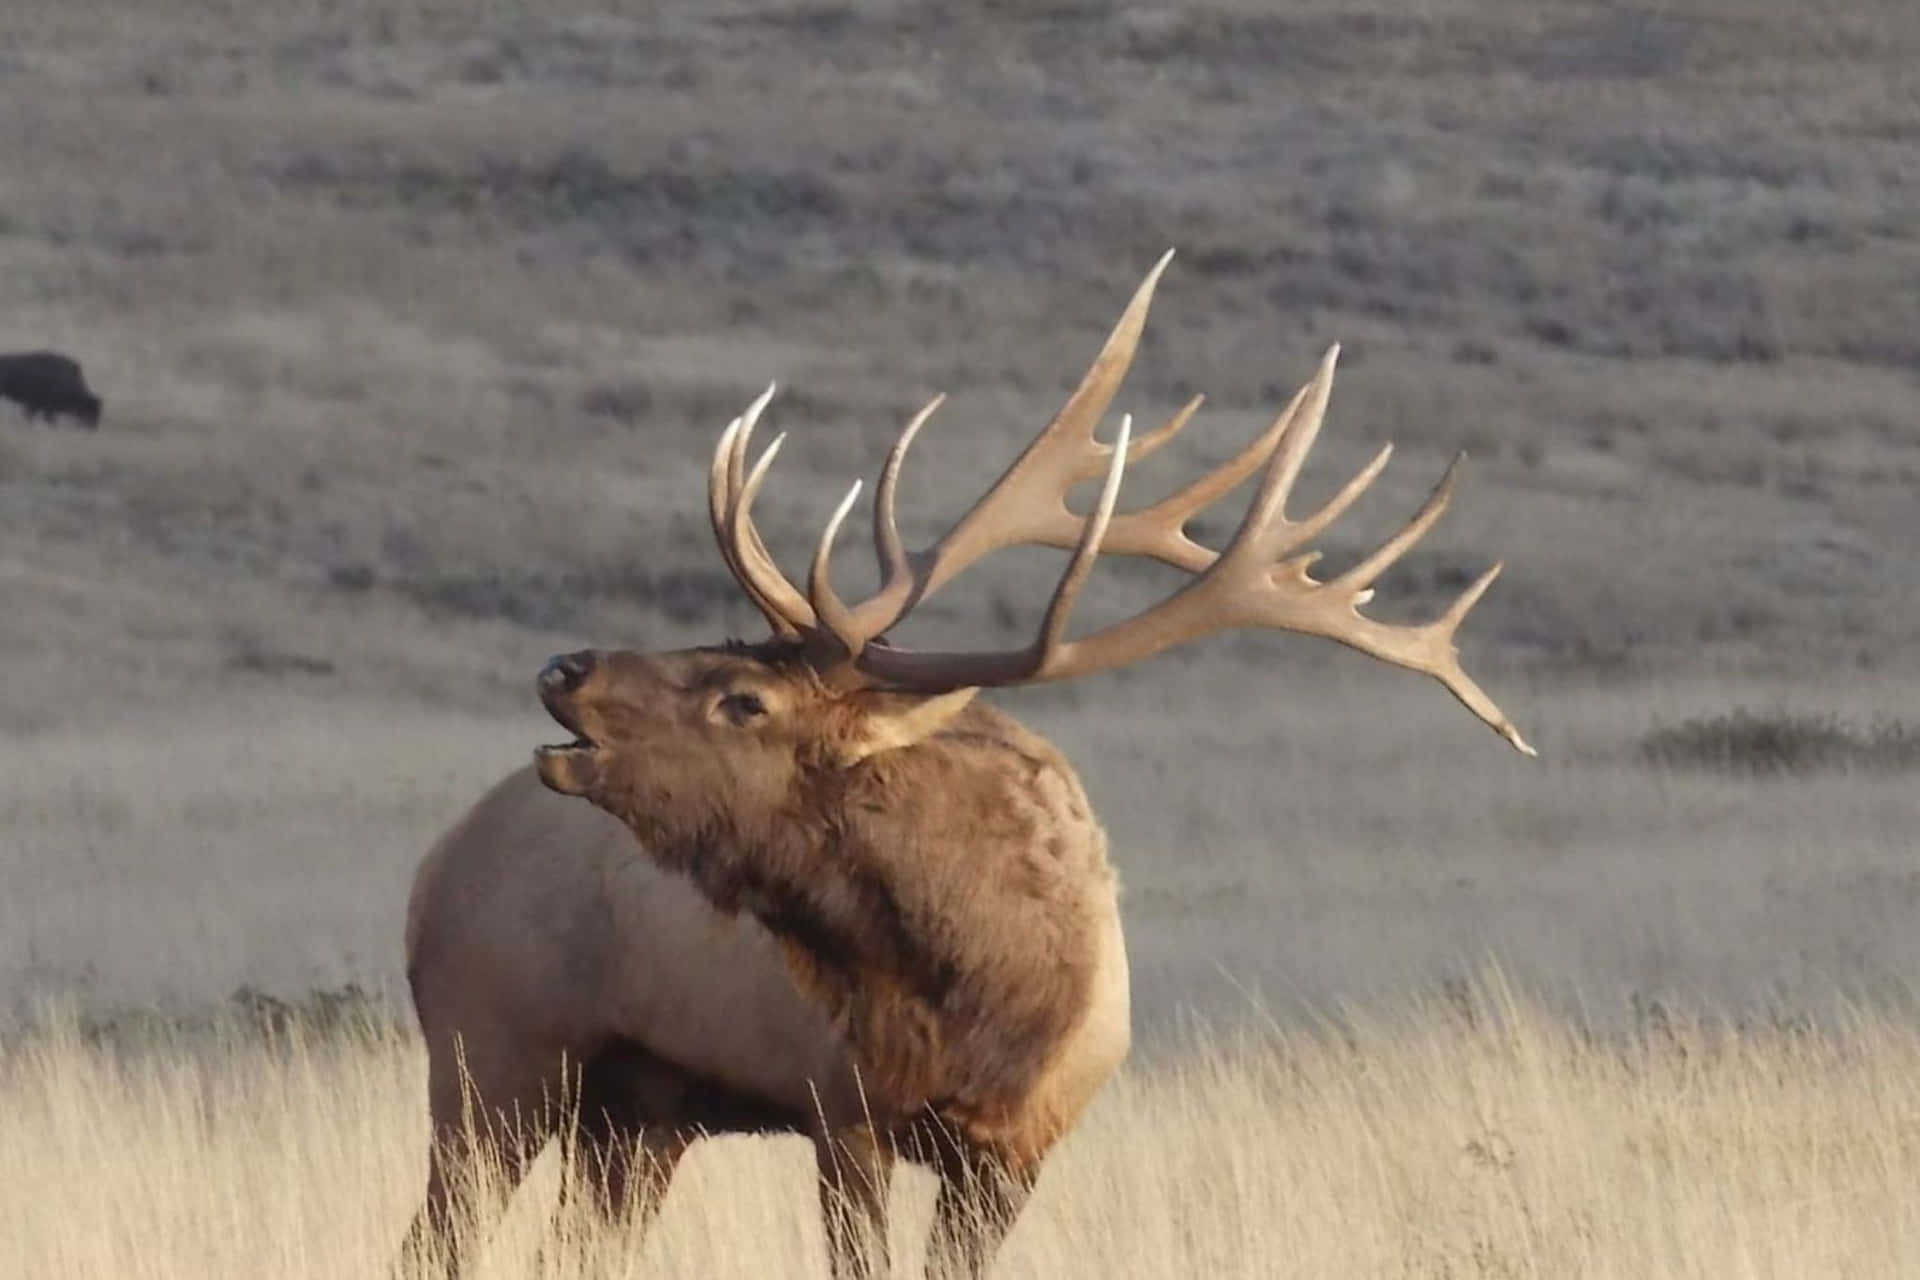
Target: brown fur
(543, 947)
(934, 877)
(943, 896)
(556, 975)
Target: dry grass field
(1478, 1136)
(416, 321)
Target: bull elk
(931, 964)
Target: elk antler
(746, 555)
(1027, 505)
(1260, 579)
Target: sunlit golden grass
(1480, 1136)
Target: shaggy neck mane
(953, 978)
(811, 879)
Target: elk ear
(889, 721)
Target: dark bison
(47, 384)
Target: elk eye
(742, 707)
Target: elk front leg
(491, 1108)
(981, 1193)
(629, 1135)
(856, 1176)
(622, 1176)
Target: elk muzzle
(569, 767)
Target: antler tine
(737, 449)
(838, 621)
(1295, 429)
(1160, 530)
(906, 669)
(1429, 649)
(1143, 447)
(1276, 534)
(896, 569)
(755, 563)
(751, 550)
(719, 505)
(1362, 575)
(1028, 503)
(1293, 601)
(1303, 430)
(1154, 441)
(1053, 625)
(1336, 506)
(835, 618)
(720, 493)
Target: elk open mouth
(559, 705)
(582, 744)
(579, 746)
(568, 767)
(562, 764)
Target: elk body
(930, 883)
(574, 987)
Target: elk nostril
(566, 672)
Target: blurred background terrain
(416, 324)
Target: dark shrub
(1773, 743)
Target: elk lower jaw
(563, 767)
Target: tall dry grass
(1477, 1136)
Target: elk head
(714, 743)
(691, 745)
